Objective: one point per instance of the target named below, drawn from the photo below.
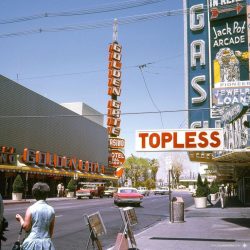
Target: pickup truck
(90, 191)
(143, 190)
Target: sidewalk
(206, 228)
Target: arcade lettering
(229, 35)
(217, 3)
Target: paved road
(71, 233)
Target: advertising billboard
(179, 140)
(229, 63)
(197, 76)
(217, 58)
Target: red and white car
(127, 195)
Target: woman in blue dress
(39, 221)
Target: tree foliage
(202, 188)
(177, 167)
(18, 186)
(141, 171)
(71, 185)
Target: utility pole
(170, 196)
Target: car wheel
(91, 197)
(78, 198)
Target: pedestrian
(1, 210)
(222, 195)
(229, 191)
(60, 190)
(38, 221)
(3, 222)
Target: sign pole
(170, 196)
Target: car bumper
(82, 195)
(128, 201)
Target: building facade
(43, 140)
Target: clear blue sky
(80, 60)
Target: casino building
(44, 141)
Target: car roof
(127, 188)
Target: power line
(97, 25)
(97, 10)
(89, 115)
(108, 23)
(151, 98)
(94, 70)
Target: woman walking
(38, 221)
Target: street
(71, 233)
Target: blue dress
(39, 238)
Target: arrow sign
(215, 11)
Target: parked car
(109, 192)
(127, 195)
(90, 190)
(161, 190)
(143, 190)
(182, 187)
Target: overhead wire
(102, 114)
(88, 11)
(96, 25)
(105, 23)
(150, 96)
(95, 70)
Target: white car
(143, 190)
(161, 190)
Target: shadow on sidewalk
(243, 222)
(230, 202)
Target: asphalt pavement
(206, 228)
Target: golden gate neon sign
(53, 160)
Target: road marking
(60, 215)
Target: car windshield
(128, 191)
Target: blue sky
(71, 66)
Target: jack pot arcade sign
(217, 57)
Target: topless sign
(179, 140)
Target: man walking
(222, 195)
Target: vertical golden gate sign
(116, 157)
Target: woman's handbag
(17, 244)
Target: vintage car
(161, 190)
(90, 190)
(127, 195)
(143, 190)
(109, 191)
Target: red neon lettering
(114, 104)
(165, 138)
(203, 139)
(175, 141)
(154, 140)
(216, 139)
(143, 137)
(189, 139)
